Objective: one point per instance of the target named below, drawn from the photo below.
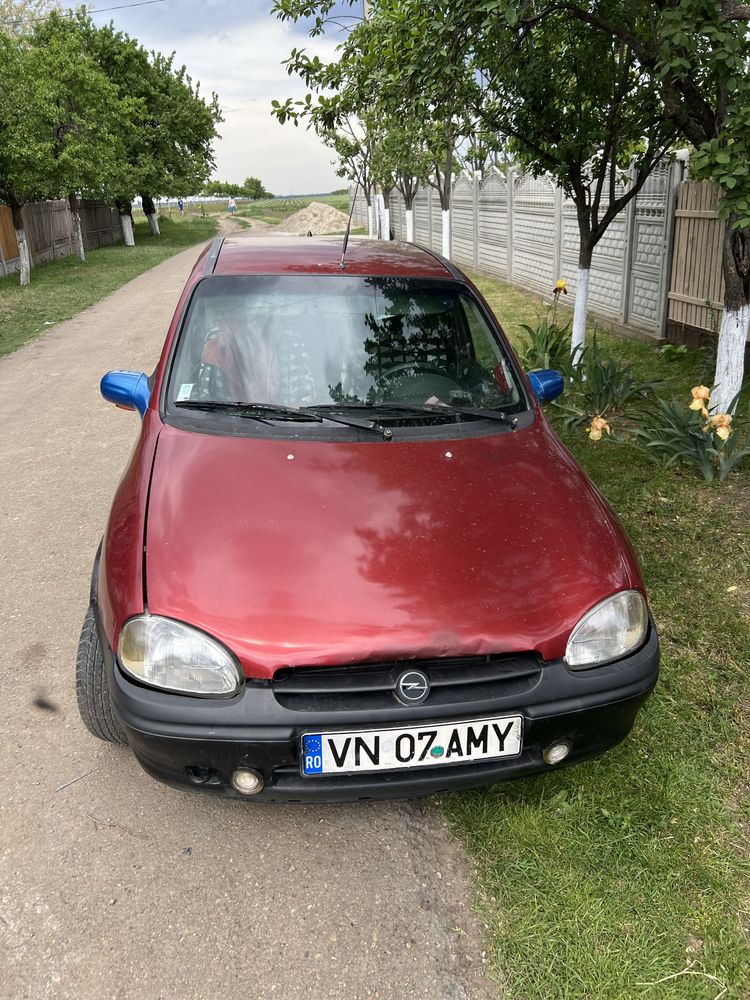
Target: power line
(88, 10)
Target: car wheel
(92, 691)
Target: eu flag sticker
(312, 754)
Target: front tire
(92, 690)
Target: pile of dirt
(317, 219)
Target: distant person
(232, 206)
(181, 206)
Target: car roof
(321, 255)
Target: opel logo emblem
(412, 687)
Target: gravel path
(111, 885)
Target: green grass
(62, 288)
(624, 870)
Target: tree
(168, 148)
(59, 126)
(253, 188)
(696, 54)
(26, 104)
(401, 160)
(221, 189)
(18, 17)
(91, 120)
(573, 104)
(386, 71)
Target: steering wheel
(413, 368)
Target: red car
(349, 558)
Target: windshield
(338, 342)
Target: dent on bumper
(174, 736)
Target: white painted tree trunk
(730, 358)
(578, 339)
(153, 225)
(380, 209)
(371, 221)
(446, 214)
(77, 234)
(24, 257)
(386, 223)
(410, 225)
(127, 230)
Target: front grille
(459, 681)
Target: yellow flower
(697, 404)
(721, 419)
(701, 392)
(723, 433)
(561, 284)
(597, 428)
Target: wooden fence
(48, 226)
(696, 289)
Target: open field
(622, 871)
(276, 210)
(62, 288)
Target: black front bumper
(198, 743)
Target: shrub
(548, 347)
(603, 387)
(675, 434)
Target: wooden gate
(696, 290)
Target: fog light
(246, 781)
(557, 752)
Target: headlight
(167, 654)
(610, 630)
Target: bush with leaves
(674, 434)
(547, 346)
(603, 387)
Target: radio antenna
(342, 265)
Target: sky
(235, 47)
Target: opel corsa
(349, 558)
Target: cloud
(236, 49)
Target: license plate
(411, 746)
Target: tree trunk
(149, 210)
(77, 234)
(410, 225)
(446, 214)
(24, 256)
(730, 358)
(379, 211)
(580, 311)
(371, 221)
(126, 222)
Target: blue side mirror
(128, 390)
(546, 384)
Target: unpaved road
(111, 885)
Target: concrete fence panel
(522, 229)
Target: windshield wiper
(250, 409)
(365, 425)
(436, 408)
(217, 405)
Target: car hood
(301, 553)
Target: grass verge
(64, 287)
(598, 882)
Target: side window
(497, 382)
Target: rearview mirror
(546, 384)
(128, 390)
